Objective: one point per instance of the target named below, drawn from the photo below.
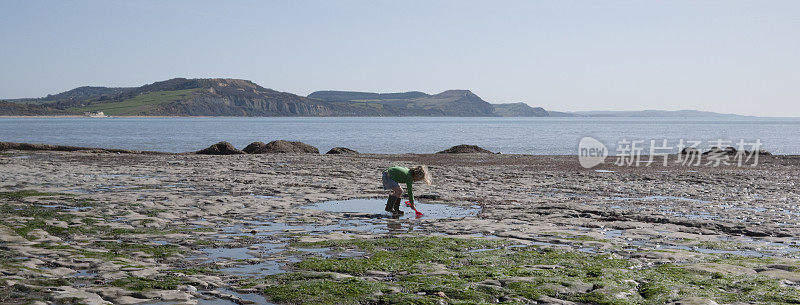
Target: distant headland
(237, 97)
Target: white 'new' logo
(591, 152)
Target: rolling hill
(462, 103)
(519, 110)
(237, 97)
(176, 97)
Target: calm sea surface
(398, 135)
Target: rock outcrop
(689, 151)
(341, 151)
(344, 96)
(34, 147)
(730, 151)
(221, 148)
(256, 148)
(465, 149)
(280, 147)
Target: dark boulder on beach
(341, 151)
(49, 147)
(756, 152)
(256, 148)
(763, 152)
(730, 151)
(29, 146)
(280, 147)
(690, 151)
(465, 149)
(221, 148)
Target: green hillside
(519, 110)
(139, 105)
(237, 97)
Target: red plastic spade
(418, 213)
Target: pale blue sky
(725, 56)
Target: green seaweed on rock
(427, 269)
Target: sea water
(540, 136)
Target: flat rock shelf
(108, 228)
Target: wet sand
(210, 221)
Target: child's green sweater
(402, 175)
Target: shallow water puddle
(252, 298)
(689, 215)
(496, 248)
(240, 298)
(65, 207)
(215, 254)
(134, 176)
(273, 230)
(241, 256)
(80, 191)
(751, 209)
(659, 198)
(611, 233)
(100, 188)
(375, 207)
(258, 269)
(750, 253)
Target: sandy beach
(111, 228)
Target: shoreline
(20, 146)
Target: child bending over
(395, 175)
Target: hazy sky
(725, 56)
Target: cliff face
(226, 105)
(343, 96)
(233, 97)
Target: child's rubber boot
(390, 204)
(396, 207)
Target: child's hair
(421, 172)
